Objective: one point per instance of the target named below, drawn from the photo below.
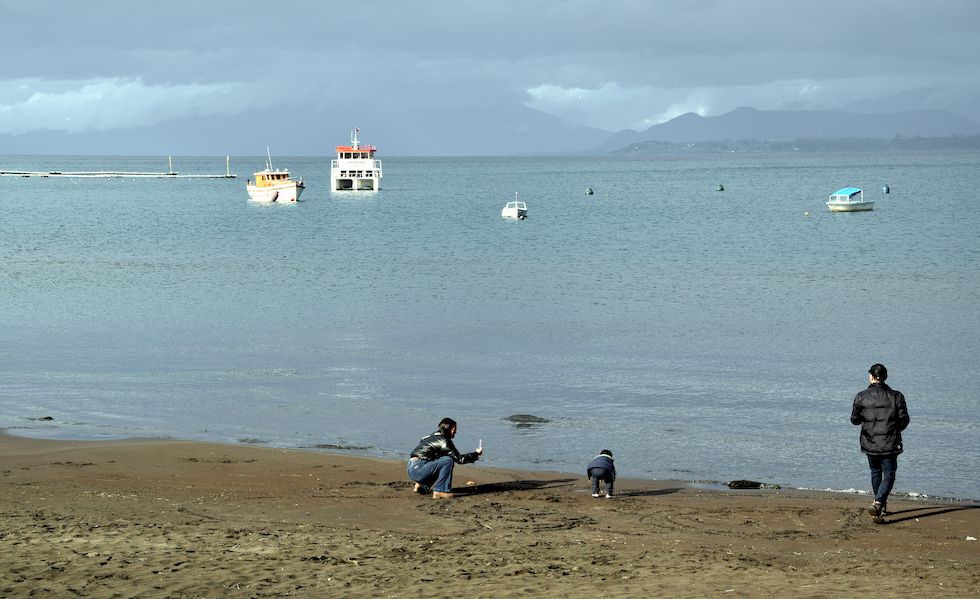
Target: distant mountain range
(783, 125)
(507, 129)
(825, 144)
(500, 130)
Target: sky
(79, 68)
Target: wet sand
(175, 519)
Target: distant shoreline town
(814, 145)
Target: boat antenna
(354, 142)
(269, 154)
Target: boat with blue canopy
(849, 199)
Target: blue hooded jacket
(602, 461)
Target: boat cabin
(269, 178)
(355, 152)
(515, 210)
(847, 194)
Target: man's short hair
(878, 371)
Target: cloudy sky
(111, 66)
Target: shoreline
(706, 485)
(169, 518)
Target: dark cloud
(610, 64)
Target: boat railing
(358, 161)
(356, 171)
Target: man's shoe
(595, 494)
(441, 495)
(876, 510)
(608, 495)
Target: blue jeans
(597, 475)
(437, 473)
(883, 468)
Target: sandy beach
(175, 519)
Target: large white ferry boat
(274, 185)
(355, 168)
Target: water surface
(699, 335)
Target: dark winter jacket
(601, 461)
(881, 412)
(436, 445)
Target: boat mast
(269, 154)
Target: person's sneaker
(441, 495)
(876, 510)
(595, 494)
(608, 495)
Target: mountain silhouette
(752, 124)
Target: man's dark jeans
(883, 469)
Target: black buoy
(588, 191)
(720, 187)
(885, 189)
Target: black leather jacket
(881, 412)
(436, 445)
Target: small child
(602, 469)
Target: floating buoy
(807, 213)
(720, 187)
(885, 189)
(588, 191)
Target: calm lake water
(699, 335)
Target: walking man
(881, 412)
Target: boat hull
(355, 184)
(279, 194)
(850, 206)
(355, 179)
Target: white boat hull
(850, 206)
(355, 184)
(515, 210)
(363, 179)
(280, 194)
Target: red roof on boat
(363, 148)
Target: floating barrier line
(111, 174)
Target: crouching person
(602, 470)
(432, 461)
